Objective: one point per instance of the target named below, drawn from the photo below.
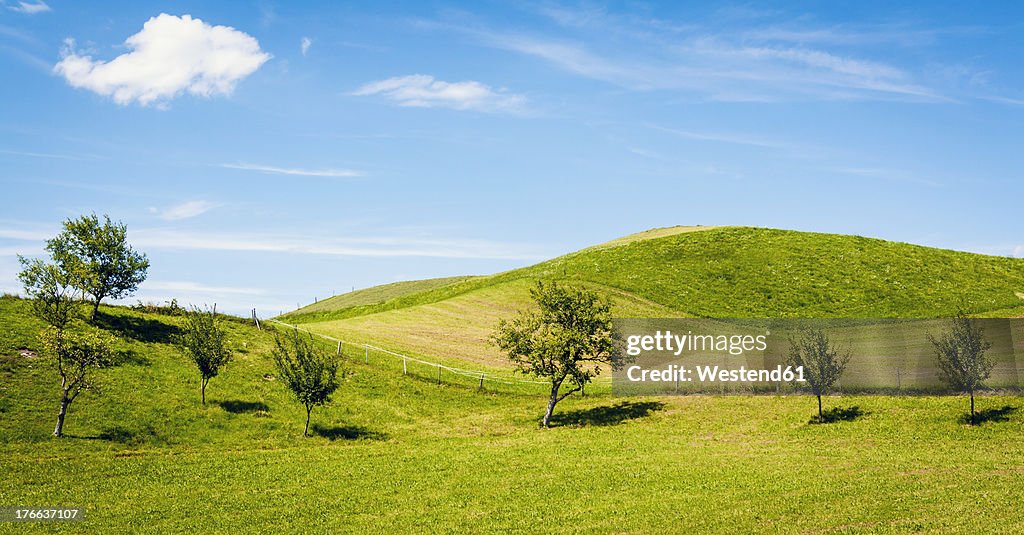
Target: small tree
(821, 361)
(77, 354)
(98, 258)
(308, 372)
(567, 339)
(203, 340)
(961, 356)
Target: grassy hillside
(713, 272)
(378, 294)
(400, 453)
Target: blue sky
(266, 153)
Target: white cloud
(169, 56)
(376, 247)
(30, 8)
(185, 210)
(420, 90)
(305, 44)
(197, 288)
(336, 173)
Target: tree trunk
(821, 415)
(202, 389)
(972, 408)
(95, 310)
(64, 402)
(305, 432)
(551, 404)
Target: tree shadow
(130, 358)
(236, 406)
(990, 415)
(838, 414)
(124, 435)
(346, 432)
(138, 329)
(608, 414)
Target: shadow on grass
(237, 406)
(346, 432)
(990, 415)
(130, 358)
(139, 329)
(838, 414)
(608, 414)
(124, 435)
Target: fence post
(438, 374)
(405, 366)
(366, 355)
(481, 381)
(339, 347)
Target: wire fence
(481, 377)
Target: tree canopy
(97, 258)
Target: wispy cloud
(304, 243)
(197, 288)
(377, 247)
(896, 175)
(304, 44)
(741, 64)
(423, 91)
(727, 138)
(185, 210)
(24, 235)
(30, 8)
(169, 56)
(48, 155)
(333, 173)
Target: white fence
(476, 375)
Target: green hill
(695, 271)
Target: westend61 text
(683, 374)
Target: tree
(203, 340)
(77, 354)
(961, 356)
(821, 361)
(568, 338)
(308, 372)
(98, 258)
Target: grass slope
(378, 294)
(398, 453)
(716, 272)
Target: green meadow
(402, 452)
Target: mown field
(398, 453)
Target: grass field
(400, 453)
